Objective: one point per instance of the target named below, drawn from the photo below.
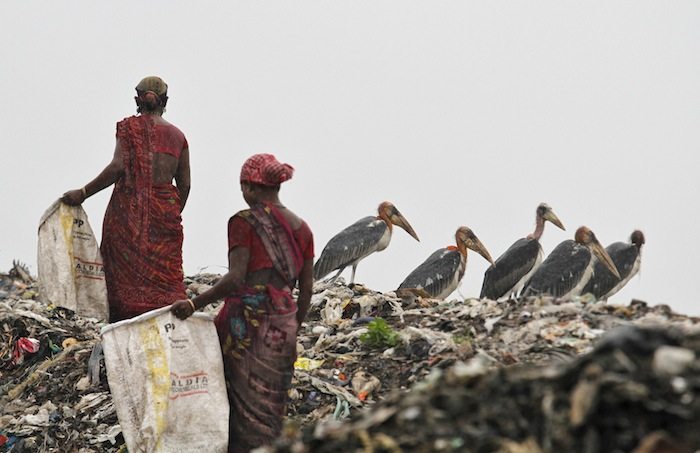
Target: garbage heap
(53, 387)
(347, 359)
(637, 391)
(379, 372)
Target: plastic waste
(24, 346)
(364, 384)
(303, 363)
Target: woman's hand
(73, 197)
(183, 309)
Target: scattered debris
(47, 400)
(608, 400)
(376, 372)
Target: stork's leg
(352, 278)
(335, 277)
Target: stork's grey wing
(624, 256)
(603, 281)
(354, 242)
(560, 271)
(509, 268)
(436, 273)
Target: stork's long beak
(603, 256)
(476, 245)
(400, 221)
(552, 217)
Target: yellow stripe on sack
(158, 371)
(65, 215)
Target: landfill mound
(635, 392)
(53, 389)
(378, 372)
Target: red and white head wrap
(266, 170)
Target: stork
(567, 270)
(627, 259)
(517, 264)
(441, 273)
(359, 240)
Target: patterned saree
(257, 329)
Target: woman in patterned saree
(142, 229)
(270, 251)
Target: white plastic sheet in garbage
(71, 274)
(167, 382)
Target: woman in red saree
(142, 230)
(270, 251)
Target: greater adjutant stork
(627, 259)
(441, 273)
(567, 270)
(362, 238)
(517, 264)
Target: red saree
(257, 327)
(142, 231)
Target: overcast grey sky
(461, 113)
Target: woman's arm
(306, 282)
(229, 283)
(182, 177)
(111, 174)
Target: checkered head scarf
(266, 170)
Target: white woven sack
(71, 274)
(166, 377)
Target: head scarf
(154, 84)
(151, 90)
(266, 170)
